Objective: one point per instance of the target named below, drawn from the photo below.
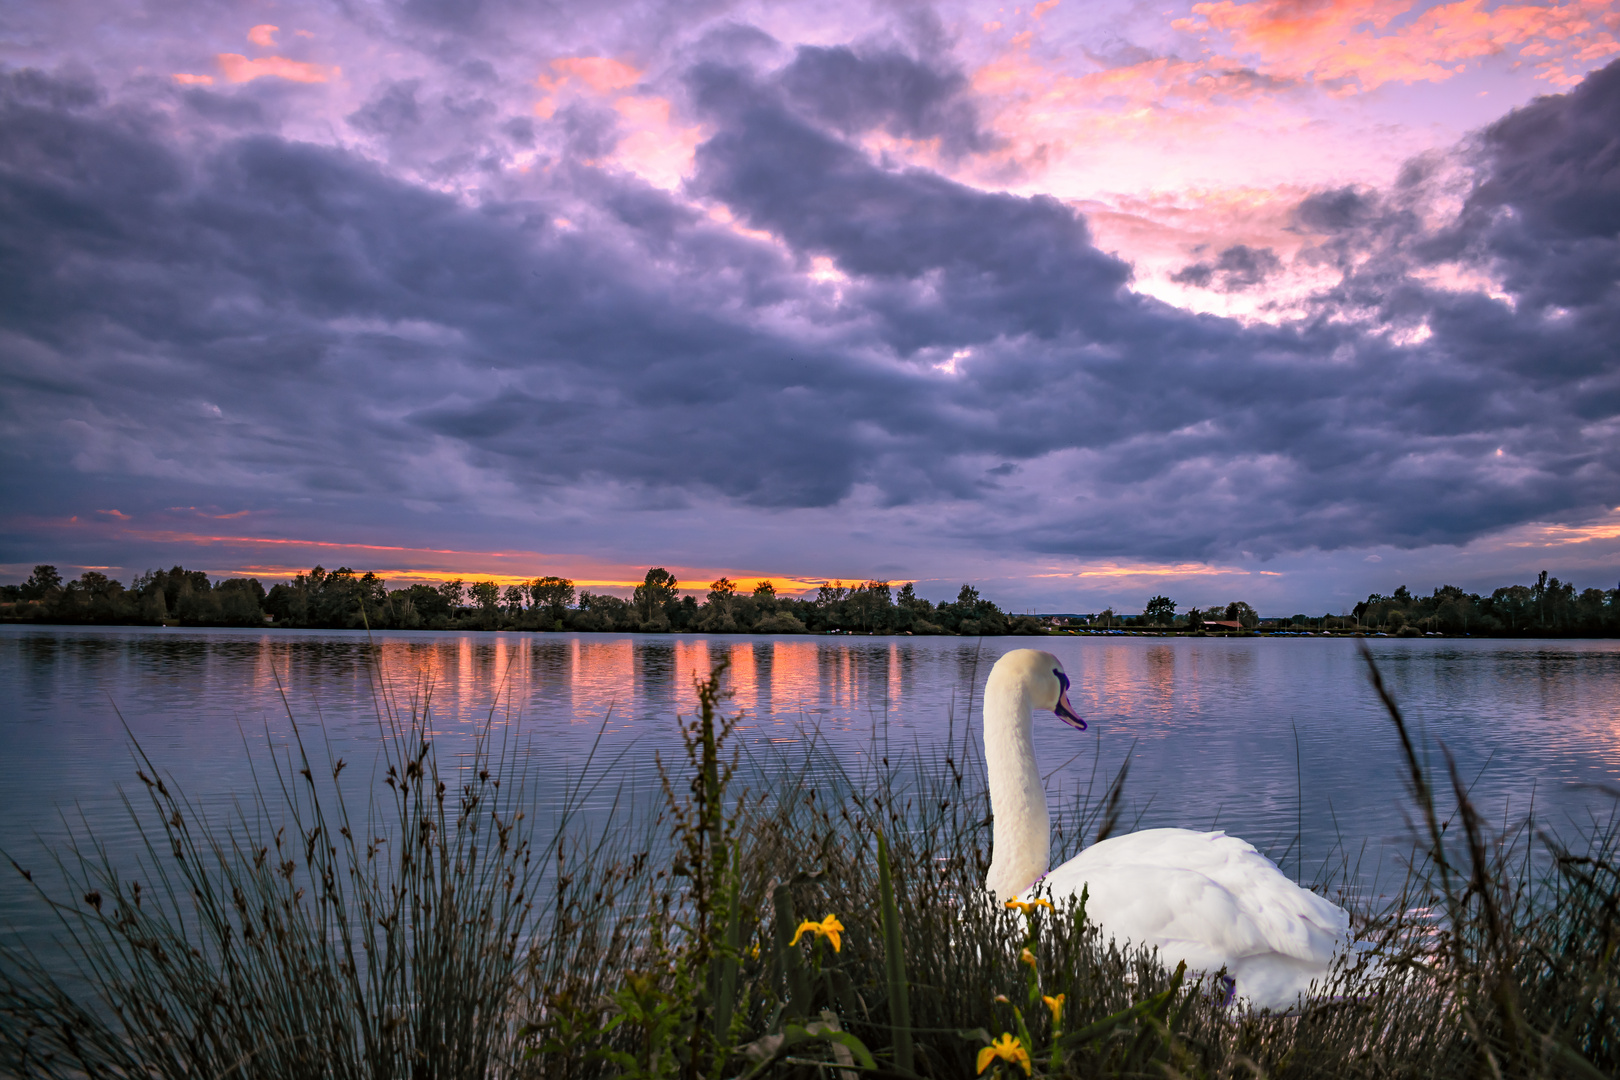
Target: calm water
(1267, 738)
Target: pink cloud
(657, 149)
(185, 79)
(600, 73)
(1360, 45)
(239, 68)
(263, 34)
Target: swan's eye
(1062, 678)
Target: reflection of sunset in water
(1208, 723)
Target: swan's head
(1044, 680)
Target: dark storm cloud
(1237, 268)
(854, 93)
(942, 263)
(1548, 211)
(248, 313)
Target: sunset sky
(1076, 301)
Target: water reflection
(1212, 721)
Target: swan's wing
(1208, 898)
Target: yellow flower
(1056, 1005)
(1028, 906)
(1027, 957)
(753, 953)
(829, 928)
(1006, 1048)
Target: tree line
(1548, 607)
(347, 599)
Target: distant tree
(657, 589)
(870, 604)
(721, 593)
(1160, 610)
(451, 591)
(1195, 619)
(765, 591)
(514, 597)
(239, 602)
(554, 594)
(1240, 612)
(600, 611)
(421, 604)
(831, 594)
(42, 583)
(968, 597)
(487, 595)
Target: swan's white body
(1206, 898)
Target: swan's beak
(1065, 712)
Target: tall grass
(441, 937)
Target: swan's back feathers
(1211, 900)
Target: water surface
(1276, 740)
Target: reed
(780, 916)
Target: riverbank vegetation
(348, 599)
(781, 917)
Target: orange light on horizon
(468, 565)
(696, 585)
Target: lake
(1277, 740)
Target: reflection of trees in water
(1161, 671)
(653, 671)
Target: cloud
(1354, 45)
(602, 74)
(855, 92)
(238, 68)
(264, 34)
(802, 335)
(1237, 268)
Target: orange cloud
(263, 34)
(1358, 45)
(1559, 535)
(185, 79)
(239, 68)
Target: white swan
(1206, 898)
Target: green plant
(440, 939)
(292, 938)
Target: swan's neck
(1022, 828)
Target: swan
(1204, 897)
